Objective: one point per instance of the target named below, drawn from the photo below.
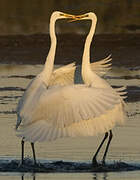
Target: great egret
(116, 115)
(36, 87)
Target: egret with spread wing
(107, 121)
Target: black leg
(33, 149)
(94, 161)
(22, 151)
(107, 147)
(34, 177)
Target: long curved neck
(49, 64)
(86, 54)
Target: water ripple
(11, 89)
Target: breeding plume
(54, 107)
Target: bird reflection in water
(100, 176)
(32, 176)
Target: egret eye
(61, 14)
(86, 15)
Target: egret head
(60, 15)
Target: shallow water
(125, 145)
(72, 176)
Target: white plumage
(63, 113)
(105, 122)
(53, 106)
(70, 74)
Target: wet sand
(33, 49)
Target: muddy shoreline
(33, 49)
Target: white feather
(50, 110)
(70, 73)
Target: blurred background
(32, 16)
(24, 31)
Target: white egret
(36, 87)
(114, 116)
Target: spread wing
(62, 106)
(29, 99)
(63, 75)
(103, 66)
(71, 74)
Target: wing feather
(102, 67)
(66, 105)
(70, 73)
(63, 75)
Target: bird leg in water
(33, 149)
(94, 161)
(107, 147)
(22, 151)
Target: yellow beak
(70, 16)
(74, 17)
(77, 18)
